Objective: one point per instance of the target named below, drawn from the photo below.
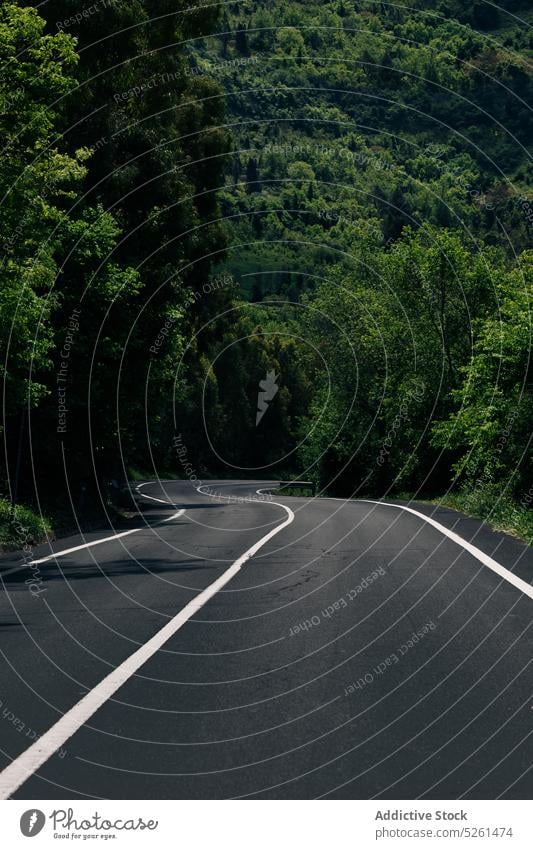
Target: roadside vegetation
(21, 527)
(501, 513)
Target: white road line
(492, 564)
(159, 500)
(66, 551)
(151, 497)
(485, 559)
(39, 752)
(175, 516)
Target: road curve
(235, 644)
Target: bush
(499, 511)
(21, 526)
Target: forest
(334, 193)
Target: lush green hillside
(351, 121)
(380, 183)
(331, 196)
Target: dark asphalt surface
(300, 679)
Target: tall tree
(157, 154)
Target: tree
(152, 130)
(34, 179)
(39, 183)
(490, 427)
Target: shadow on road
(67, 570)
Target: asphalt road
(360, 652)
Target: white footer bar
(266, 824)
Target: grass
(21, 526)
(299, 491)
(135, 474)
(500, 512)
(486, 503)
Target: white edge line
(152, 498)
(175, 516)
(65, 551)
(488, 561)
(23, 767)
(485, 559)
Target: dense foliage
(106, 232)
(335, 194)
(380, 188)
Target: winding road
(237, 644)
